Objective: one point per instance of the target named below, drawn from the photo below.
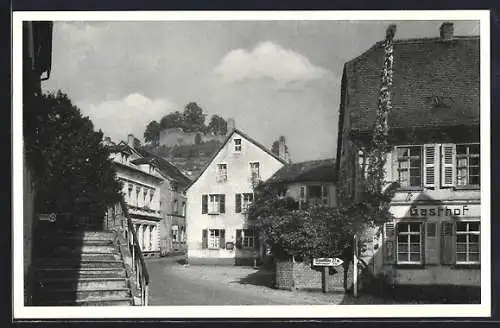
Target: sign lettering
(439, 211)
(327, 261)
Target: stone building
(435, 156)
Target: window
(316, 194)
(213, 204)
(467, 247)
(221, 173)
(183, 213)
(468, 165)
(243, 201)
(248, 238)
(215, 238)
(255, 171)
(237, 145)
(409, 243)
(175, 207)
(302, 193)
(409, 166)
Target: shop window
(409, 243)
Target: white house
(141, 183)
(217, 229)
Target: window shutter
(257, 240)
(447, 243)
(222, 203)
(429, 166)
(394, 164)
(204, 204)
(448, 173)
(389, 243)
(431, 243)
(222, 238)
(238, 203)
(204, 238)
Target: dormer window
(237, 145)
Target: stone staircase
(81, 268)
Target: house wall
(293, 190)
(144, 211)
(238, 181)
(173, 214)
(422, 206)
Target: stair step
(109, 301)
(79, 263)
(67, 294)
(49, 273)
(87, 235)
(83, 283)
(87, 256)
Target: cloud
(131, 114)
(267, 61)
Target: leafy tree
(72, 169)
(152, 133)
(172, 120)
(193, 118)
(217, 125)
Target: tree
(172, 120)
(193, 118)
(152, 133)
(72, 169)
(217, 125)
(288, 231)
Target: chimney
(446, 30)
(130, 140)
(282, 153)
(231, 125)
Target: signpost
(326, 262)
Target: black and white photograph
(262, 164)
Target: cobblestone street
(175, 284)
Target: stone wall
(300, 275)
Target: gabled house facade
(217, 228)
(435, 156)
(309, 183)
(141, 183)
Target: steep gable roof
(316, 170)
(435, 83)
(244, 135)
(165, 167)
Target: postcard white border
(317, 311)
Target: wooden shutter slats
(222, 203)
(431, 243)
(389, 243)
(204, 238)
(447, 243)
(238, 203)
(204, 204)
(222, 238)
(448, 173)
(429, 166)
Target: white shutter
(429, 166)
(448, 173)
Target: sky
(273, 77)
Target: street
(175, 284)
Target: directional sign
(327, 261)
(51, 217)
